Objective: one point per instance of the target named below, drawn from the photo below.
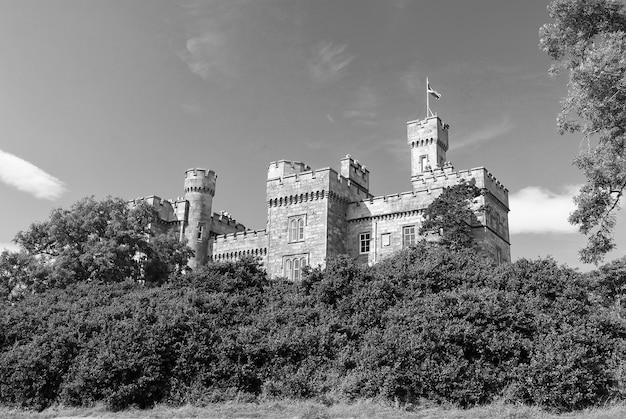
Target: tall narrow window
(423, 163)
(364, 243)
(408, 236)
(200, 231)
(296, 229)
(293, 267)
(296, 269)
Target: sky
(119, 98)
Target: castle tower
(429, 142)
(199, 192)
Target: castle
(315, 214)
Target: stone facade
(315, 214)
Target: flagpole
(427, 100)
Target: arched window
(296, 228)
(293, 267)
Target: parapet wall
(300, 186)
(244, 243)
(443, 177)
(355, 172)
(388, 205)
(430, 129)
(200, 180)
(282, 168)
(223, 223)
(168, 211)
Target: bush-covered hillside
(430, 323)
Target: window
(296, 228)
(408, 236)
(386, 239)
(498, 255)
(293, 267)
(423, 163)
(200, 231)
(364, 243)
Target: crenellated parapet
(440, 178)
(227, 247)
(297, 198)
(241, 237)
(200, 180)
(168, 210)
(427, 132)
(312, 185)
(348, 188)
(223, 223)
(395, 205)
(355, 172)
(282, 168)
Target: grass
(313, 410)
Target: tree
(450, 215)
(610, 285)
(588, 38)
(19, 272)
(102, 240)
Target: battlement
(427, 131)
(251, 243)
(302, 185)
(223, 223)
(200, 180)
(241, 236)
(282, 168)
(167, 211)
(356, 172)
(447, 176)
(400, 203)
(319, 177)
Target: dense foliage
(588, 39)
(107, 240)
(451, 215)
(429, 323)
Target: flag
(433, 92)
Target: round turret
(199, 192)
(200, 180)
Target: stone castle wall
(304, 195)
(335, 208)
(228, 247)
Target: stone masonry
(316, 214)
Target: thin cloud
(209, 51)
(205, 55)
(329, 62)
(485, 134)
(364, 107)
(536, 210)
(29, 178)
(193, 109)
